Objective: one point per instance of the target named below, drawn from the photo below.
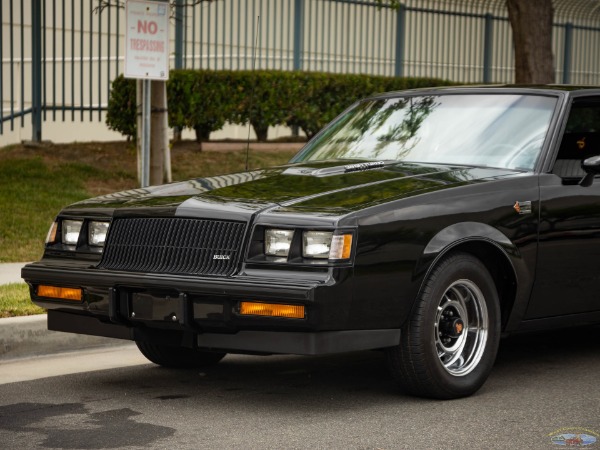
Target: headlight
(97, 233)
(70, 231)
(316, 244)
(278, 242)
(326, 245)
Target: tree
(531, 22)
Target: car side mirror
(591, 167)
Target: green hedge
(121, 107)
(205, 100)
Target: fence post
(36, 69)
(487, 48)
(298, 33)
(178, 55)
(298, 43)
(566, 79)
(400, 38)
(179, 34)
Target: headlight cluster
(71, 233)
(97, 233)
(278, 242)
(315, 244)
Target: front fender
(459, 235)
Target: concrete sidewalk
(28, 336)
(11, 273)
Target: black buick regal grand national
(427, 223)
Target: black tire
(449, 344)
(178, 357)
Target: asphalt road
(542, 386)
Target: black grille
(173, 245)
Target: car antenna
(253, 89)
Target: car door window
(581, 140)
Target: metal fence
(60, 56)
(58, 60)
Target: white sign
(147, 40)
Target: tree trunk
(202, 133)
(531, 22)
(168, 173)
(159, 141)
(138, 127)
(261, 132)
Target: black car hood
(330, 187)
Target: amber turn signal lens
(62, 293)
(51, 236)
(347, 246)
(272, 310)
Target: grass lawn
(14, 301)
(31, 194)
(35, 183)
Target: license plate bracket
(146, 306)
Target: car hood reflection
(326, 187)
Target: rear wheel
(449, 345)
(178, 357)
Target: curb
(28, 336)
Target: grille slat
(173, 245)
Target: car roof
(550, 89)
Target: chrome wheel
(461, 327)
(448, 347)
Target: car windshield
(492, 130)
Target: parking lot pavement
(543, 390)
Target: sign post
(146, 58)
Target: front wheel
(178, 357)
(449, 344)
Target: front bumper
(203, 312)
(244, 341)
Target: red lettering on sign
(143, 26)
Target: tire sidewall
(459, 267)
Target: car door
(568, 274)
